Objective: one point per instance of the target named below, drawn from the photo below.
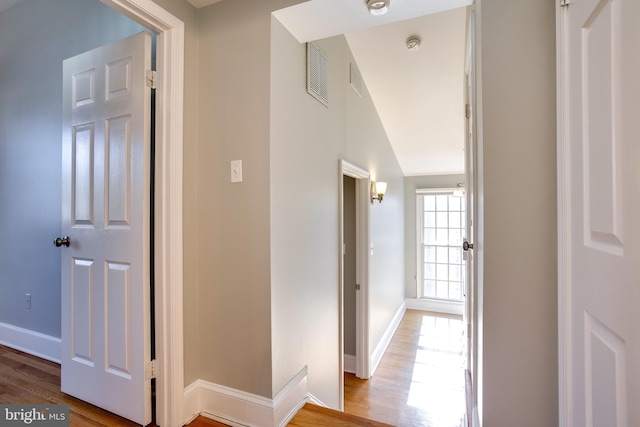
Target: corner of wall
(238, 408)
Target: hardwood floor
(316, 416)
(28, 379)
(420, 379)
(419, 382)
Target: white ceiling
(418, 95)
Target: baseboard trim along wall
(31, 342)
(378, 352)
(425, 304)
(240, 409)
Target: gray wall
(36, 36)
(307, 142)
(518, 152)
(411, 184)
(234, 272)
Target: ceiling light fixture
(413, 43)
(378, 7)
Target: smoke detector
(413, 43)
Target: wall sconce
(377, 191)
(459, 190)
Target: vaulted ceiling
(418, 94)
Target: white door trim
(363, 353)
(168, 202)
(564, 221)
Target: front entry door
(600, 210)
(105, 214)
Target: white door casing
(169, 330)
(363, 351)
(105, 212)
(471, 320)
(598, 211)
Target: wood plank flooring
(316, 416)
(419, 382)
(420, 379)
(28, 379)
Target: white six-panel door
(105, 212)
(599, 68)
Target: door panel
(600, 274)
(105, 270)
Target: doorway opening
(354, 296)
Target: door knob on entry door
(466, 246)
(62, 241)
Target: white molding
(564, 221)
(349, 363)
(31, 342)
(433, 305)
(169, 164)
(352, 170)
(377, 354)
(312, 399)
(290, 399)
(238, 408)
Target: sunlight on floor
(437, 383)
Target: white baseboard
(378, 352)
(349, 363)
(240, 409)
(316, 401)
(31, 342)
(425, 304)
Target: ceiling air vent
(317, 74)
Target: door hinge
(150, 370)
(564, 3)
(467, 111)
(152, 79)
(357, 286)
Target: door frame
(168, 203)
(363, 202)
(475, 210)
(564, 220)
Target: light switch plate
(236, 170)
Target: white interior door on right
(599, 210)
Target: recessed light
(378, 7)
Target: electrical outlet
(27, 300)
